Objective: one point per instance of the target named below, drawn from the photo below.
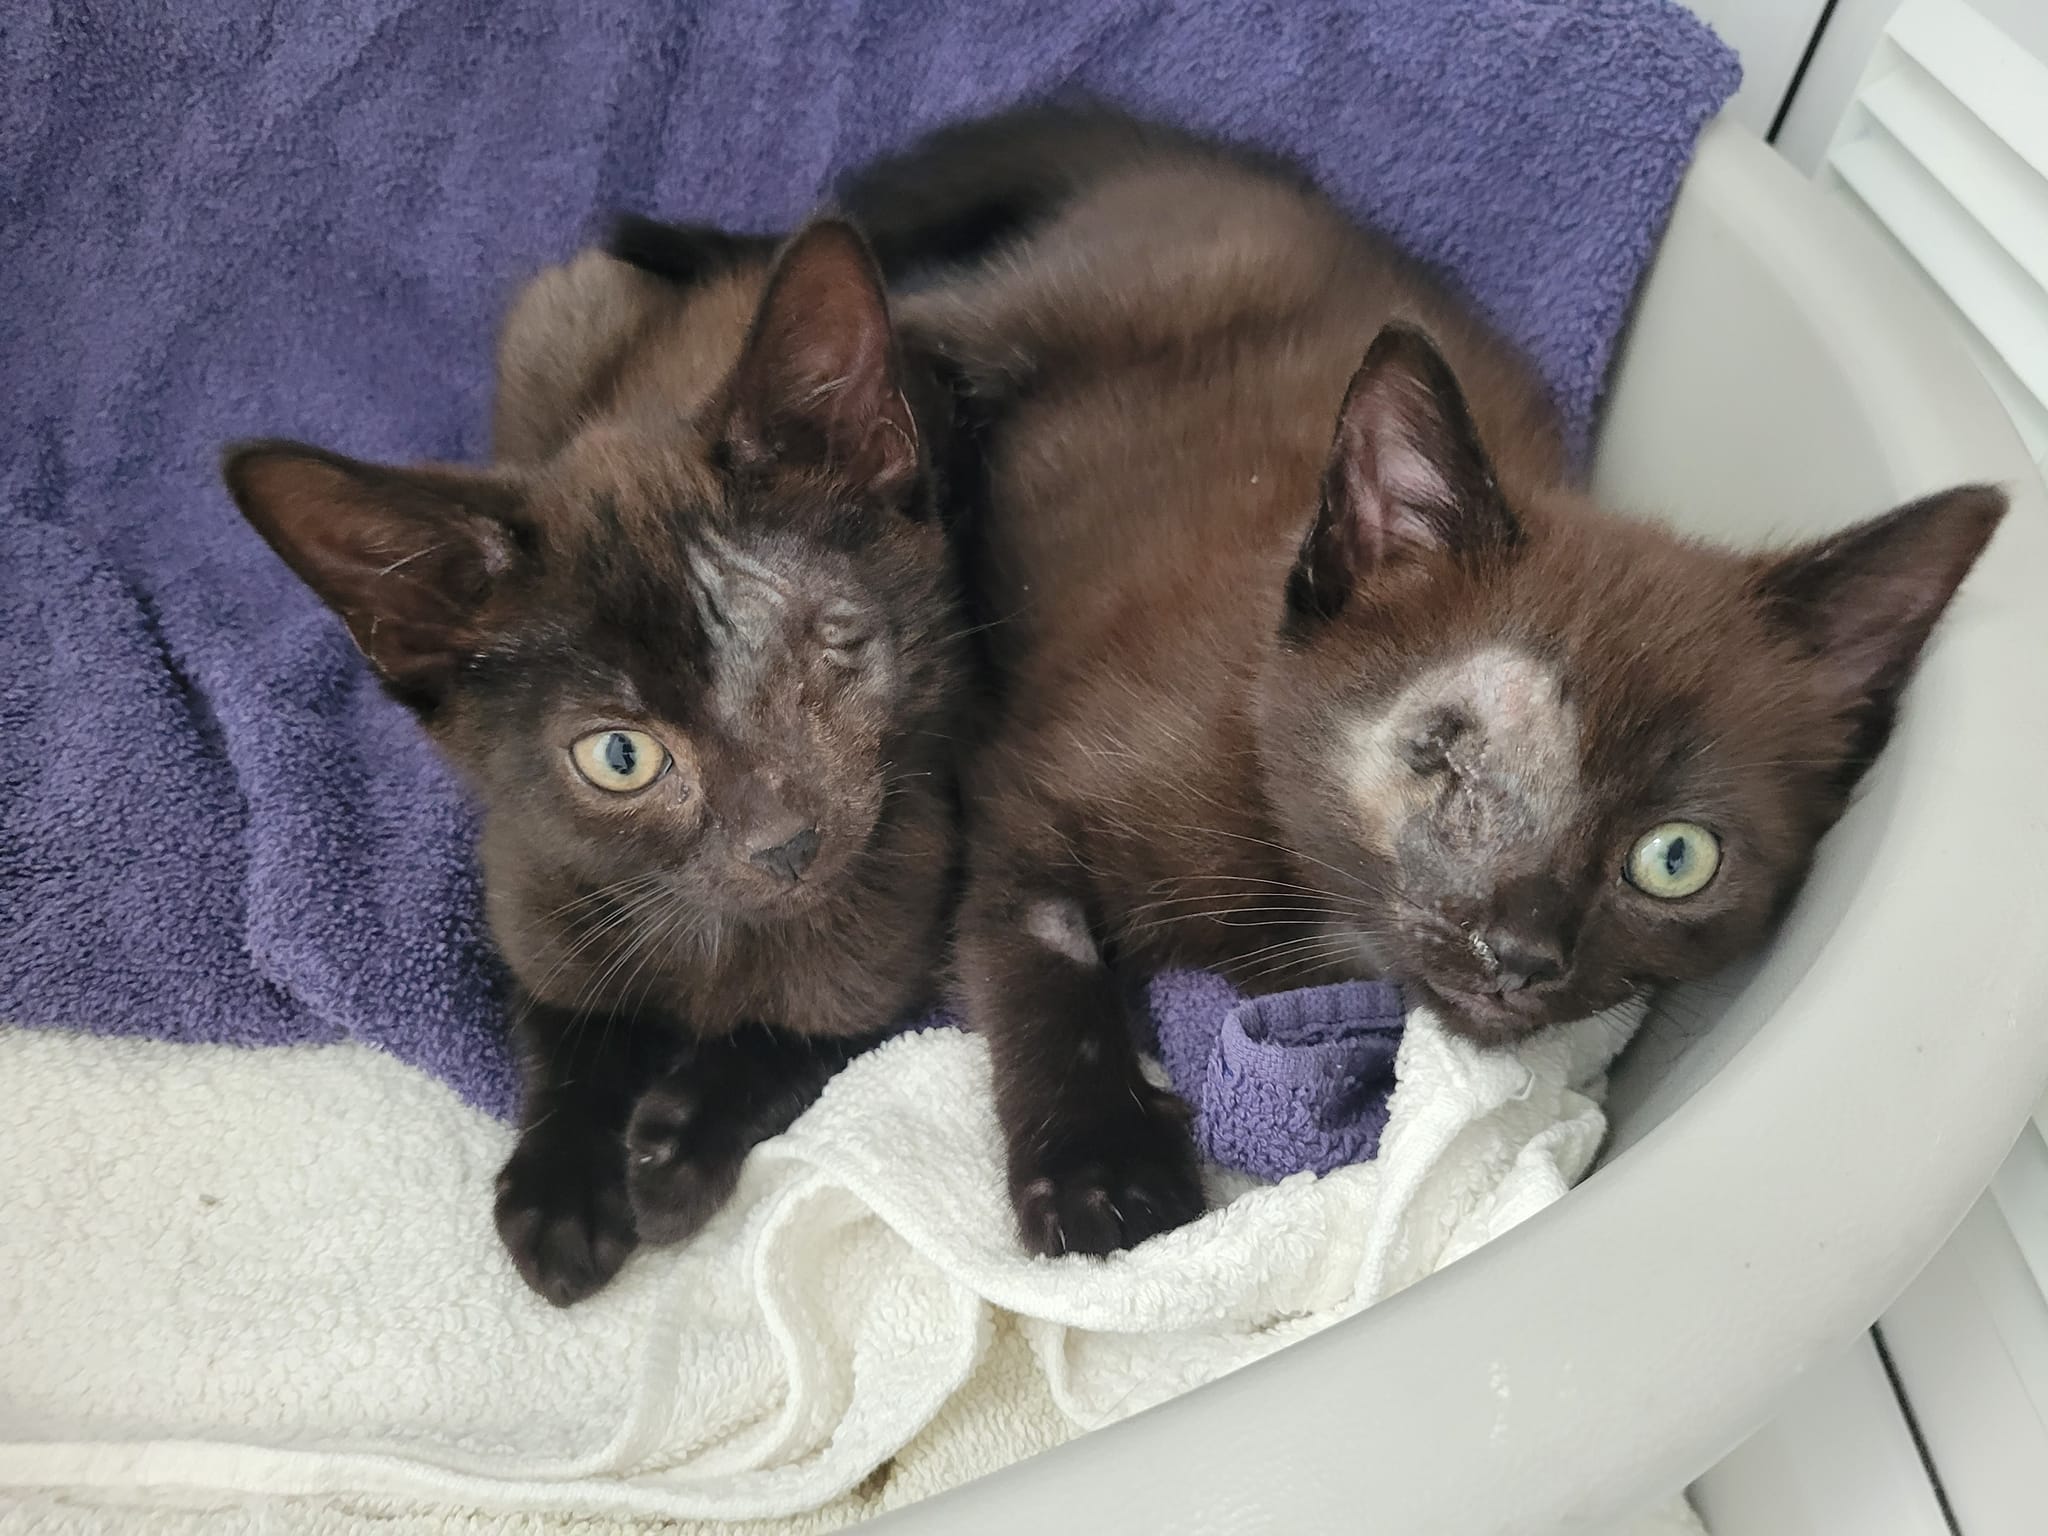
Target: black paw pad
(563, 1216)
(1107, 1180)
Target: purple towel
(1284, 1082)
(305, 219)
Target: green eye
(1674, 860)
(619, 760)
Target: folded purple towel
(252, 217)
(1280, 1083)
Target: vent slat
(2002, 303)
(2000, 82)
(2020, 1192)
(1945, 149)
(1993, 183)
(2029, 415)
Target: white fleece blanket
(274, 1274)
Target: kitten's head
(1547, 758)
(698, 645)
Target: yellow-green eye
(619, 760)
(1674, 861)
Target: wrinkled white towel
(274, 1273)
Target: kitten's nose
(1517, 960)
(788, 858)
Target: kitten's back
(1160, 350)
(1103, 238)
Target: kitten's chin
(1482, 1018)
(772, 904)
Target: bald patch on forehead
(1486, 747)
(1519, 699)
(745, 612)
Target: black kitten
(693, 641)
(1314, 661)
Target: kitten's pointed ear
(818, 383)
(407, 557)
(1864, 600)
(1407, 476)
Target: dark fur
(1296, 705)
(711, 520)
(684, 254)
(968, 188)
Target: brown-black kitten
(1297, 704)
(693, 641)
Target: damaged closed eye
(1427, 748)
(846, 642)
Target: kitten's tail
(971, 187)
(683, 254)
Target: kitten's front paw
(563, 1216)
(1108, 1178)
(679, 1168)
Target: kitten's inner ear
(1407, 476)
(1864, 600)
(818, 385)
(407, 557)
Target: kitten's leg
(1099, 1159)
(562, 1210)
(692, 1129)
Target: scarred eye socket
(619, 760)
(1427, 748)
(1674, 860)
(844, 640)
